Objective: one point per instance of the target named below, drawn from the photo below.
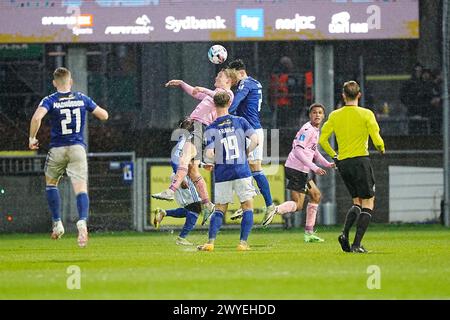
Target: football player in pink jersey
(299, 163)
(203, 115)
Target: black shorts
(194, 207)
(358, 177)
(297, 180)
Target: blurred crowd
(422, 96)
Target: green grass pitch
(413, 262)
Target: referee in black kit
(352, 126)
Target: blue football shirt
(247, 101)
(67, 117)
(227, 136)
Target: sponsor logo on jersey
(225, 123)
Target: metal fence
(23, 205)
(120, 186)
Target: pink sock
(311, 212)
(288, 206)
(178, 178)
(200, 185)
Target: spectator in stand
(436, 103)
(409, 91)
(425, 93)
(284, 97)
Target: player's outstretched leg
(200, 185)
(169, 194)
(285, 207)
(159, 216)
(264, 188)
(191, 220)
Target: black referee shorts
(358, 177)
(297, 180)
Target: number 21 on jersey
(68, 120)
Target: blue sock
(54, 202)
(263, 186)
(191, 220)
(215, 223)
(83, 205)
(246, 224)
(177, 213)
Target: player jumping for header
(203, 115)
(247, 104)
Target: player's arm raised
(186, 88)
(100, 113)
(35, 124)
(199, 90)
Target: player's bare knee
(315, 197)
(51, 181)
(221, 207)
(79, 186)
(255, 166)
(247, 205)
(194, 173)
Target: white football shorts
(257, 154)
(223, 191)
(70, 159)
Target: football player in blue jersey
(67, 152)
(247, 104)
(227, 148)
